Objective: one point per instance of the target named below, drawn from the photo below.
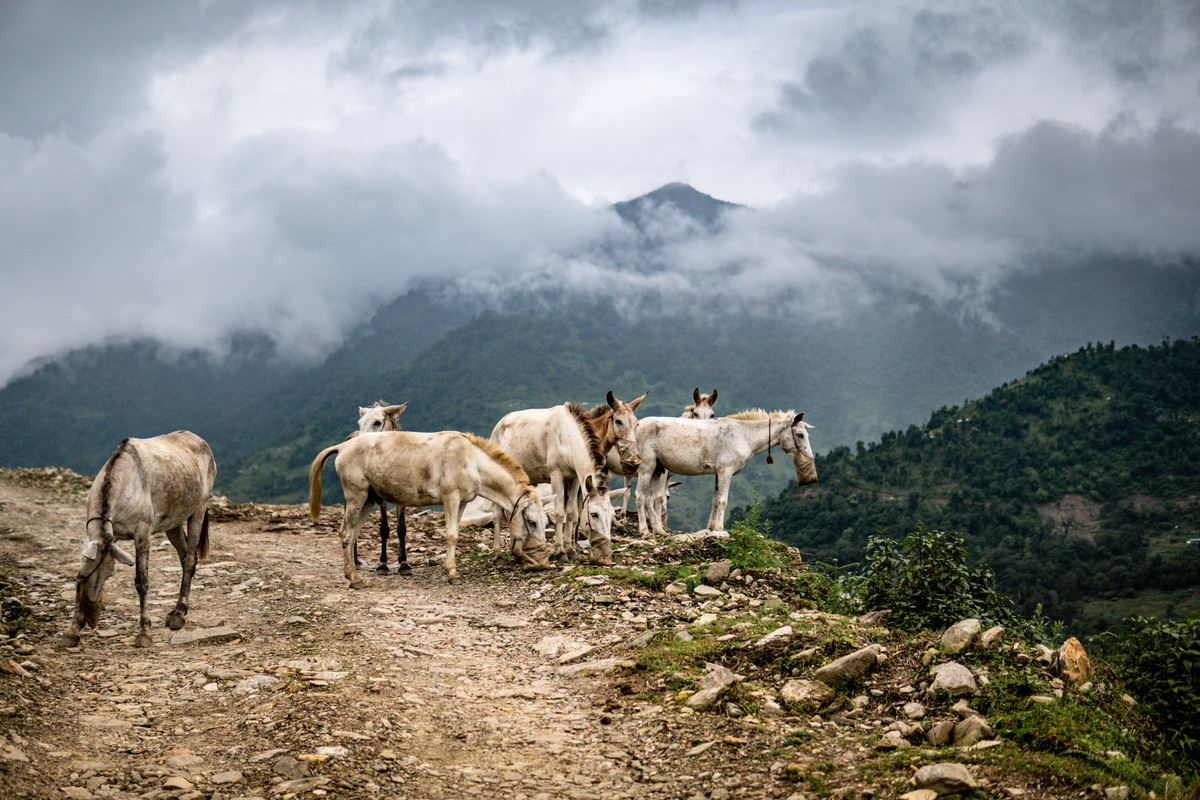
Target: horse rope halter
(770, 440)
(98, 561)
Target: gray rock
(704, 590)
(716, 675)
(959, 636)
(849, 667)
(178, 782)
(254, 683)
(940, 734)
(504, 621)
(806, 695)
(76, 793)
(892, 740)
(777, 635)
(971, 730)
(874, 619)
(705, 697)
(914, 710)
(990, 639)
(184, 761)
(227, 777)
(291, 768)
(954, 678)
(298, 786)
(221, 633)
(944, 778)
(600, 667)
(718, 571)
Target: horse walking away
(447, 468)
(719, 447)
(147, 486)
(378, 418)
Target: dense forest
(1079, 485)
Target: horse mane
(107, 469)
(599, 460)
(758, 413)
(500, 457)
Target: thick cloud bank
(190, 171)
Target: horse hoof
(404, 568)
(174, 621)
(359, 584)
(455, 581)
(70, 640)
(381, 569)
(143, 639)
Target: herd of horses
(562, 456)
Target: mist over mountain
(671, 297)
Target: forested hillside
(1079, 485)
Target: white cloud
(187, 171)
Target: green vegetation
(1076, 485)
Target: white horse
(701, 408)
(147, 486)
(719, 447)
(557, 446)
(378, 418)
(424, 469)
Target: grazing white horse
(424, 469)
(376, 419)
(719, 447)
(557, 446)
(147, 486)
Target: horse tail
(203, 552)
(314, 481)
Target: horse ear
(633, 404)
(797, 418)
(589, 483)
(712, 398)
(696, 395)
(362, 410)
(394, 410)
(122, 556)
(612, 400)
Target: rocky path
(285, 682)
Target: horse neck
(498, 484)
(763, 433)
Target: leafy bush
(1159, 660)
(748, 545)
(927, 584)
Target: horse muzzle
(806, 474)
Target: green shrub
(748, 545)
(1159, 660)
(927, 584)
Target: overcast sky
(187, 169)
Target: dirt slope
(412, 688)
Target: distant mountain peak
(703, 208)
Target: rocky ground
(575, 683)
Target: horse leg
(658, 501)
(572, 505)
(382, 569)
(453, 504)
(497, 533)
(625, 497)
(557, 486)
(141, 580)
(356, 507)
(402, 534)
(186, 539)
(716, 520)
(643, 497)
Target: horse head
(95, 568)
(380, 417)
(702, 405)
(532, 515)
(619, 432)
(597, 519)
(795, 443)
